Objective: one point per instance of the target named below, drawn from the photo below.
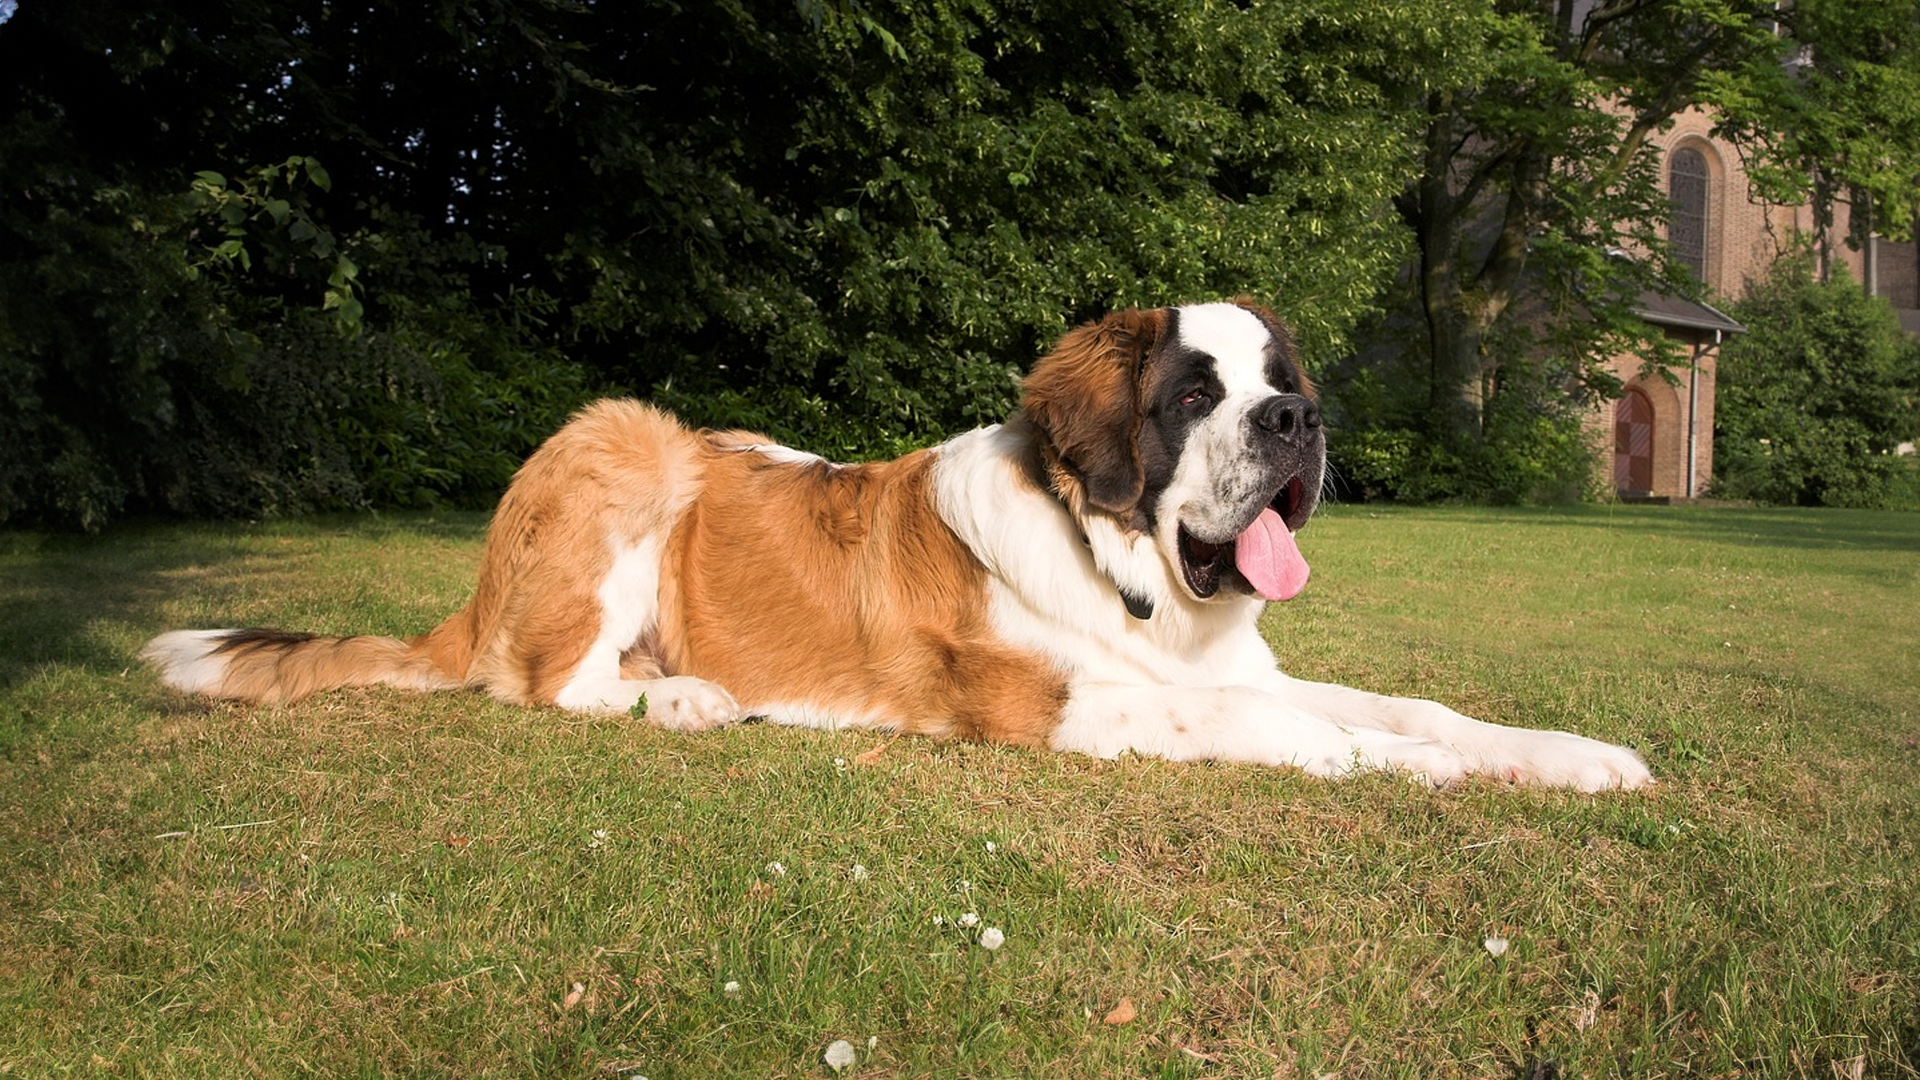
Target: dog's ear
(1085, 399)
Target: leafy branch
(276, 197)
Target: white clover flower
(966, 886)
(969, 920)
(839, 763)
(599, 837)
(939, 921)
(839, 1055)
(732, 989)
(776, 869)
(858, 873)
(992, 847)
(991, 938)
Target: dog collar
(1140, 607)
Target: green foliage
(275, 196)
(1536, 448)
(1903, 487)
(1530, 444)
(153, 368)
(1530, 454)
(929, 207)
(1537, 164)
(1816, 396)
(1845, 127)
(95, 312)
(849, 224)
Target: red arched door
(1633, 443)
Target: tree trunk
(1454, 340)
(1453, 350)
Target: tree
(1816, 395)
(938, 190)
(179, 314)
(1536, 166)
(1839, 120)
(1538, 173)
(848, 223)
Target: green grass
(381, 884)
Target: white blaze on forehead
(1237, 341)
(1221, 478)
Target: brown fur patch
(841, 587)
(1086, 398)
(619, 472)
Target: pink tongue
(1269, 559)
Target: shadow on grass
(1794, 529)
(85, 602)
(1800, 530)
(1866, 530)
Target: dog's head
(1191, 425)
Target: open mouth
(1205, 565)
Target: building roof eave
(1662, 310)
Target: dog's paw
(684, 703)
(1564, 760)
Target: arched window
(1687, 187)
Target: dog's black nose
(1288, 416)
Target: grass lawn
(372, 883)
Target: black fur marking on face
(1186, 387)
(1282, 370)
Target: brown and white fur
(1065, 580)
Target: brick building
(1661, 435)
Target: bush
(150, 368)
(1816, 396)
(1532, 447)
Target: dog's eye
(1196, 396)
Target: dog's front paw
(1564, 760)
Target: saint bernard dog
(1084, 577)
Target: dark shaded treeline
(268, 255)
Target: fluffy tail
(274, 665)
